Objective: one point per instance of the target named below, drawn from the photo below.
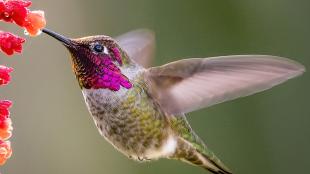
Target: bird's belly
(137, 131)
(136, 143)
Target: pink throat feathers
(103, 73)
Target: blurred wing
(139, 45)
(191, 84)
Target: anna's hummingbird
(140, 110)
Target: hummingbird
(141, 110)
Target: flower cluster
(5, 120)
(14, 11)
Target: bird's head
(96, 61)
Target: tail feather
(205, 159)
(191, 149)
(220, 169)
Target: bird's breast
(128, 119)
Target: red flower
(5, 121)
(10, 43)
(35, 22)
(17, 11)
(14, 11)
(5, 151)
(5, 75)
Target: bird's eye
(98, 48)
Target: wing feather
(139, 45)
(203, 82)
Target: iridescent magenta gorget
(100, 70)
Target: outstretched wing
(139, 45)
(191, 84)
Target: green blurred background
(266, 133)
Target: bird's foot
(143, 159)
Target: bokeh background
(266, 133)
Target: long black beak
(66, 41)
